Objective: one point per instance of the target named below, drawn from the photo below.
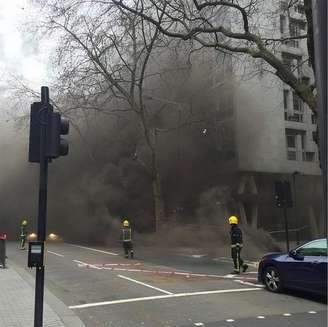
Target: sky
(19, 52)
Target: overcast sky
(19, 53)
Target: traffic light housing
(56, 126)
(283, 194)
(34, 145)
(278, 194)
(56, 145)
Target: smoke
(106, 175)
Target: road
(166, 288)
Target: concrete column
(299, 150)
(313, 222)
(255, 209)
(290, 105)
(242, 217)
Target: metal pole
(42, 209)
(320, 44)
(286, 227)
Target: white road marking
(178, 273)
(313, 312)
(144, 284)
(260, 317)
(287, 314)
(199, 324)
(57, 254)
(160, 297)
(92, 249)
(230, 320)
(247, 283)
(83, 264)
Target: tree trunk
(158, 201)
(156, 184)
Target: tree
(102, 59)
(236, 27)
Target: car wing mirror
(295, 255)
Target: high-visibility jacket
(126, 234)
(23, 232)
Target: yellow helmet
(24, 222)
(233, 220)
(126, 223)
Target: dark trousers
(238, 262)
(128, 248)
(23, 241)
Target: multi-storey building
(276, 134)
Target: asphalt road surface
(166, 288)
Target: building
(275, 135)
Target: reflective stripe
(126, 234)
(235, 245)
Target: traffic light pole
(286, 227)
(42, 209)
(320, 43)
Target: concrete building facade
(275, 134)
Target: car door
(296, 272)
(307, 270)
(320, 274)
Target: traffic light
(55, 127)
(283, 194)
(279, 194)
(56, 145)
(34, 145)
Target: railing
(297, 232)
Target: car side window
(316, 248)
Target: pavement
(17, 302)
(166, 288)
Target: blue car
(304, 268)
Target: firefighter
(126, 236)
(236, 236)
(23, 234)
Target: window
(291, 155)
(315, 248)
(295, 141)
(291, 62)
(291, 141)
(297, 115)
(282, 24)
(308, 156)
(296, 27)
(315, 137)
(297, 103)
(313, 119)
(305, 80)
(286, 96)
(283, 5)
(287, 60)
(300, 9)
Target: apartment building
(276, 133)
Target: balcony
(292, 43)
